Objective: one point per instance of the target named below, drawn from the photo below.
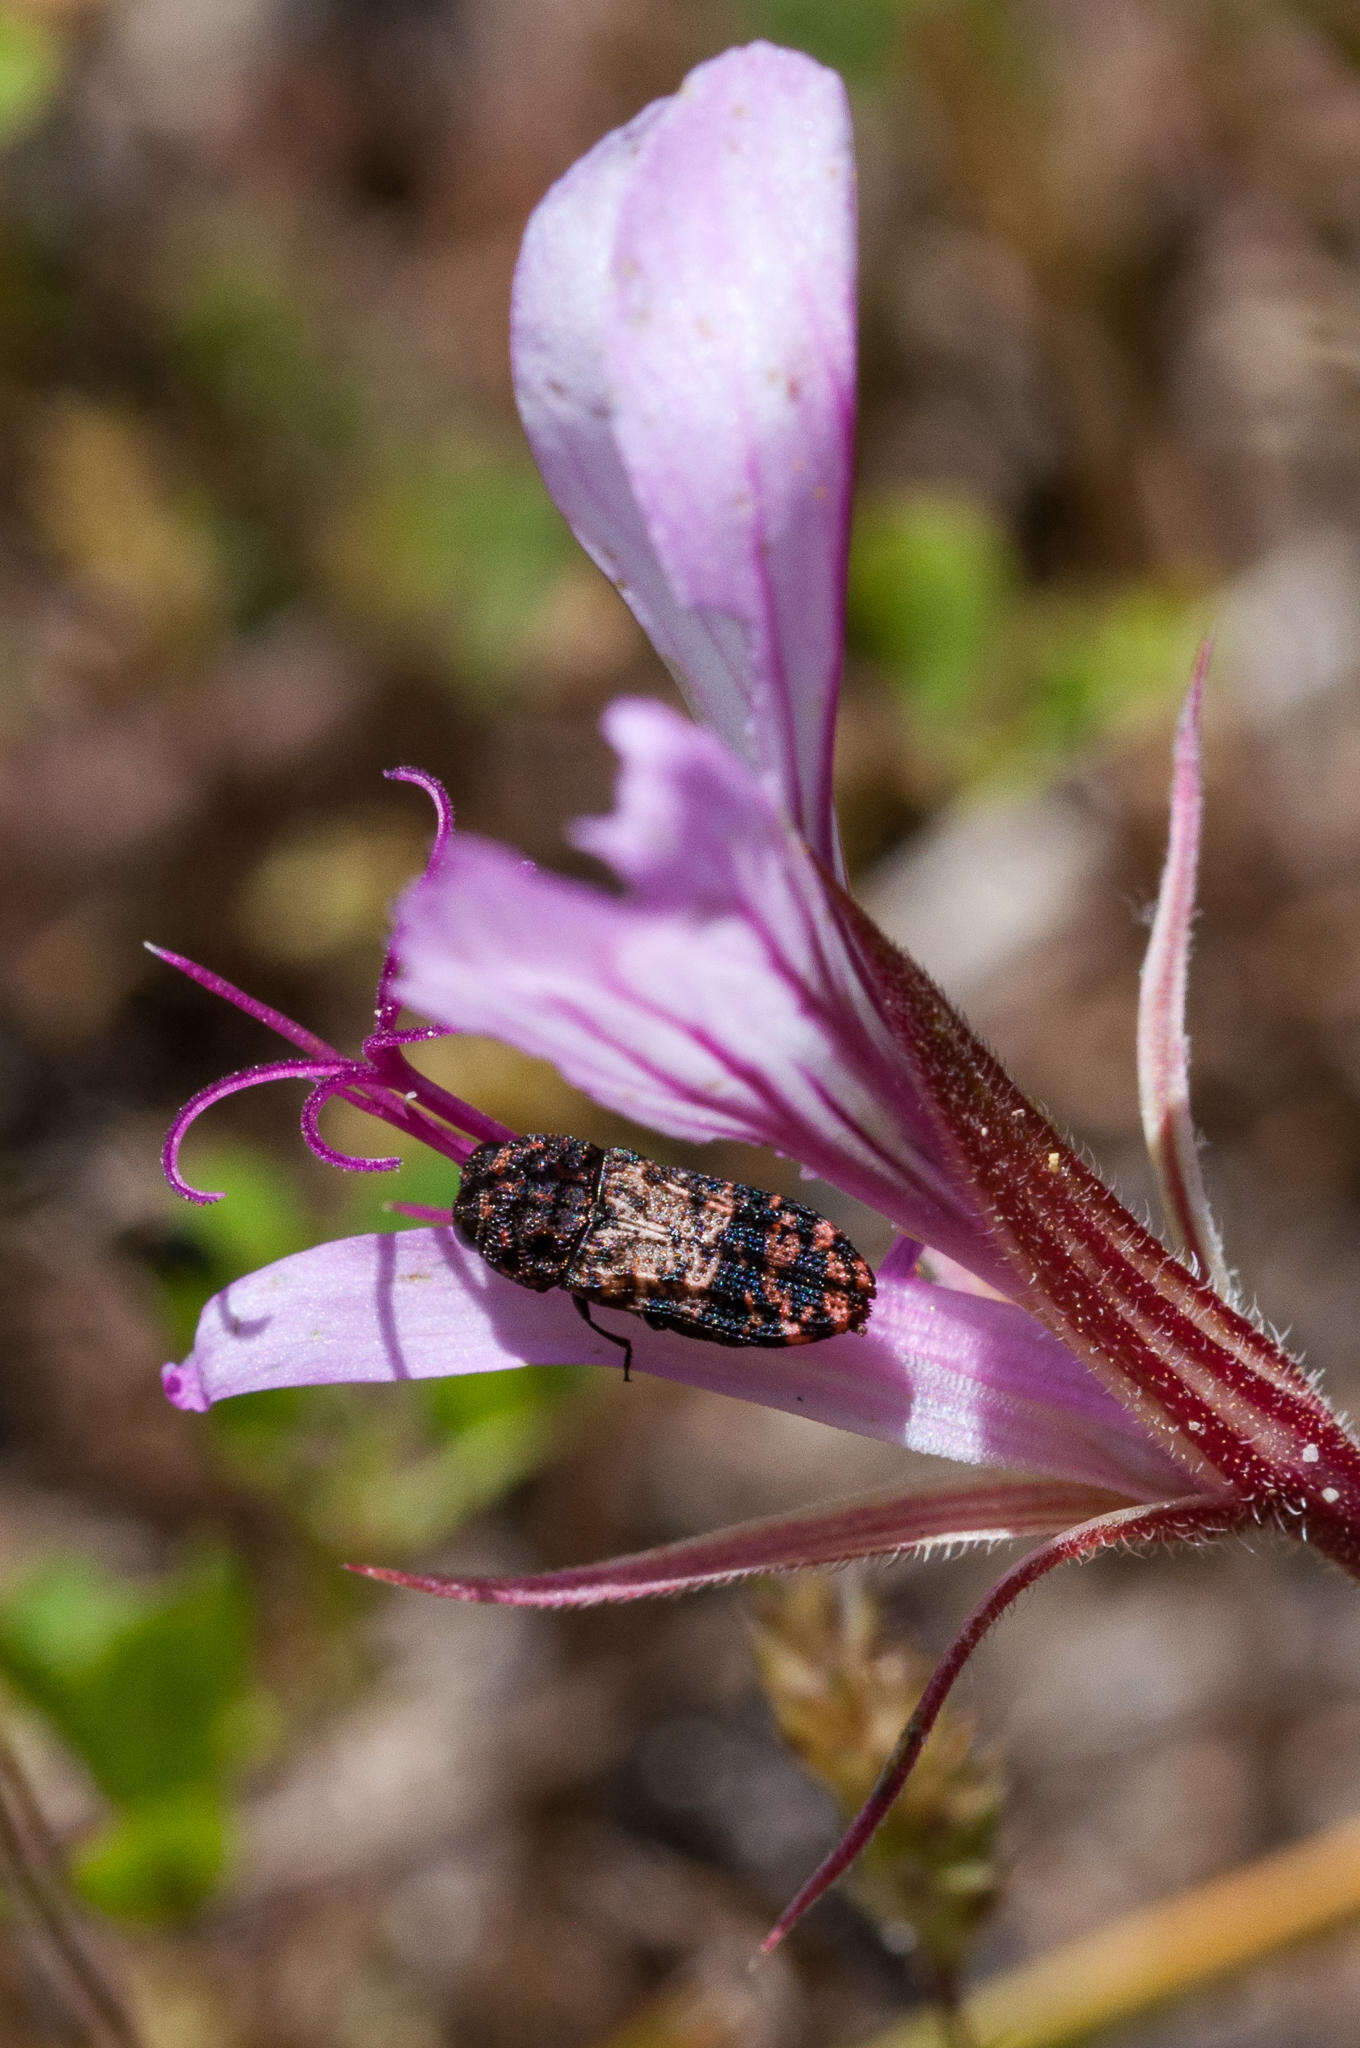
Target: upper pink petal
(685, 369)
(718, 999)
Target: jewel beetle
(712, 1259)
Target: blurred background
(269, 526)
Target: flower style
(683, 341)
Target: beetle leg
(624, 1343)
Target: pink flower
(683, 338)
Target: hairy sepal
(1163, 1047)
(1229, 1402)
(885, 1526)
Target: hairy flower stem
(1228, 1398)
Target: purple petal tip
(184, 1388)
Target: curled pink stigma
(217, 1091)
(418, 1213)
(324, 1092)
(381, 1081)
(439, 797)
(387, 1008)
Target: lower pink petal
(952, 1374)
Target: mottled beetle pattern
(710, 1258)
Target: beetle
(712, 1259)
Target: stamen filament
(263, 1013)
(450, 1109)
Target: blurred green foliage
(933, 581)
(454, 548)
(998, 676)
(32, 56)
(243, 337)
(151, 1687)
(855, 36)
(441, 546)
(262, 1216)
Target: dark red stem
(1190, 1518)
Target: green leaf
(159, 1860)
(405, 1505)
(426, 1179)
(262, 1218)
(854, 36)
(932, 580)
(454, 548)
(244, 338)
(396, 1467)
(1104, 661)
(32, 59)
(143, 1683)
